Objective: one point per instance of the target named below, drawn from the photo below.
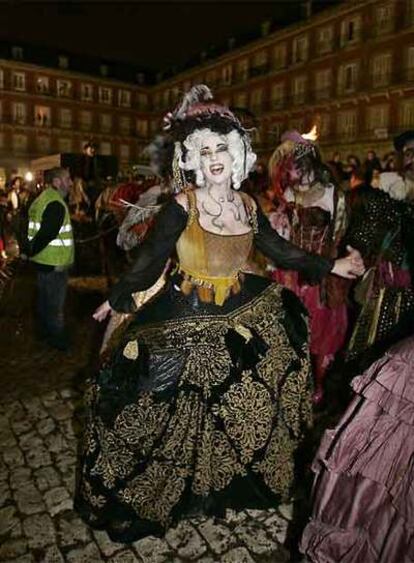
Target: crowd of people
(246, 285)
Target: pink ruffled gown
(363, 506)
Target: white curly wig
(240, 151)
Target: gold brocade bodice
(210, 262)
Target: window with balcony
(20, 143)
(277, 96)
(19, 112)
(42, 116)
(381, 70)
(106, 122)
(85, 120)
(324, 126)
(351, 30)
(378, 120)
(105, 95)
(125, 124)
(43, 144)
(347, 124)
(86, 92)
(142, 128)
(300, 49)
(256, 100)
(323, 83)
(299, 89)
(64, 88)
(105, 148)
(142, 101)
(325, 37)
(240, 100)
(124, 98)
(409, 75)
(242, 70)
(42, 85)
(384, 18)
(124, 152)
(259, 63)
(226, 75)
(406, 117)
(1, 78)
(63, 61)
(274, 132)
(348, 78)
(279, 57)
(65, 145)
(19, 81)
(66, 118)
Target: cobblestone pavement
(39, 427)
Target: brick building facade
(350, 69)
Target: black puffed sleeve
(288, 256)
(152, 257)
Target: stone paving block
(154, 550)
(30, 441)
(20, 476)
(39, 530)
(50, 398)
(88, 554)
(28, 558)
(21, 426)
(65, 460)
(68, 393)
(38, 458)
(4, 471)
(254, 536)
(105, 544)
(238, 555)
(69, 480)
(60, 411)
(218, 536)
(7, 438)
(234, 518)
(55, 442)
(45, 426)
(53, 555)
(277, 527)
(286, 510)
(72, 531)
(5, 494)
(126, 556)
(186, 541)
(15, 411)
(14, 457)
(46, 478)
(58, 500)
(66, 427)
(258, 515)
(35, 408)
(28, 499)
(11, 549)
(8, 520)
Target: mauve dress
(363, 506)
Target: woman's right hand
(102, 312)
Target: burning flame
(312, 135)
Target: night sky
(153, 35)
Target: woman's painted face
(215, 159)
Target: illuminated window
(19, 81)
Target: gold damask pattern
(158, 450)
(247, 413)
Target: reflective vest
(59, 251)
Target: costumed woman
(308, 209)
(201, 404)
(363, 500)
(382, 229)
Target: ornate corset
(312, 230)
(210, 263)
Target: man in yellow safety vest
(50, 247)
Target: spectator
(372, 163)
(50, 247)
(336, 167)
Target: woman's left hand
(351, 267)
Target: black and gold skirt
(200, 408)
